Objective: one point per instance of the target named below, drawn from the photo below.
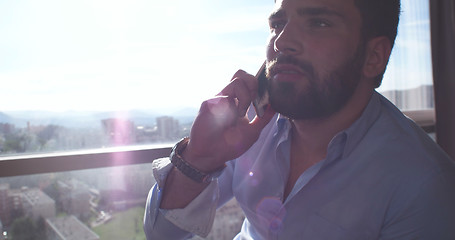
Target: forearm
(180, 190)
(185, 180)
(156, 226)
(195, 217)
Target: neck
(313, 136)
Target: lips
(286, 73)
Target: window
(83, 79)
(408, 81)
(95, 74)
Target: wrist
(201, 163)
(197, 173)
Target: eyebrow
(277, 14)
(311, 11)
(319, 11)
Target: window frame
(30, 164)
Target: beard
(322, 96)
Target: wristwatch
(188, 170)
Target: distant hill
(73, 119)
(67, 119)
(4, 118)
(137, 116)
(185, 115)
(416, 98)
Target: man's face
(314, 56)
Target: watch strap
(185, 168)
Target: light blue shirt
(382, 178)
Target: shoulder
(419, 173)
(407, 156)
(399, 152)
(396, 137)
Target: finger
(239, 90)
(236, 75)
(249, 79)
(221, 111)
(243, 88)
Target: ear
(377, 56)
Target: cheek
(270, 51)
(330, 55)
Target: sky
(62, 55)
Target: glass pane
(408, 81)
(107, 203)
(92, 74)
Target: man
(339, 161)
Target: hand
(221, 131)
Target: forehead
(345, 7)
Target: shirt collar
(346, 140)
(282, 122)
(360, 127)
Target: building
(119, 131)
(15, 206)
(168, 128)
(4, 208)
(37, 204)
(421, 97)
(75, 197)
(10, 203)
(6, 128)
(68, 228)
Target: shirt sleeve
(175, 223)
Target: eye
(320, 23)
(277, 25)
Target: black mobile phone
(262, 99)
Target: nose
(287, 42)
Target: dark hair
(380, 18)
